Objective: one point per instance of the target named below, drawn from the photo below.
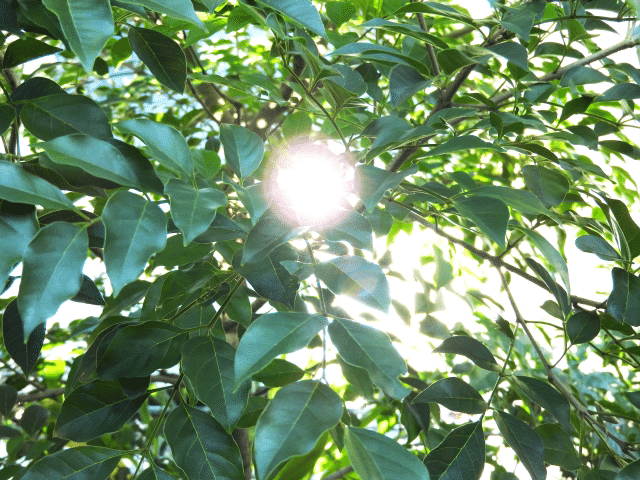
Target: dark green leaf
(404, 82)
(547, 397)
(135, 230)
(25, 355)
(552, 255)
(155, 473)
(520, 200)
(139, 350)
(34, 418)
(583, 326)
(353, 228)
(7, 117)
(558, 292)
(271, 335)
(62, 114)
(634, 398)
(293, 422)
(88, 293)
(373, 182)
(548, 185)
(520, 20)
(167, 144)
(17, 227)
(558, 447)
(8, 396)
(629, 228)
(279, 373)
(86, 27)
(525, 442)
(300, 11)
(267, 234)
(630, 472)
(163, 56)
(208, 364)
(178, 9)
(489, 214)
(96, 408)
(51, 272)
(624, 302)
(201, 447)
(513, 52)
(78, 463)
(470, 348)
(622, 91)
(20, 186)
(372, 350)
(340, 12)
(358, 377)
(464, 142)
(243, 149)
(537, 150)
(455, 394)
(175, 253)
(221, 229)
(575, 106)
(582, 76)
(374, 455)
(22, 51)
(358, 278)
(460, 455)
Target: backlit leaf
(300, 11)
(524, 441)
(24, 354)
(460, 455)
(624, 302)
(470, 348)
(243, 149)
(17, 227)
(455, 394)
(547, 397)
(267, 234)
(489, 214)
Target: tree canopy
(228, 169)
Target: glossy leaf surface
(455, 394)
(525, 442)
(79, 463)
(459, 455)
(243, 149)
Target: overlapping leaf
(79, 463)
(460, 455)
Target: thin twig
(339, 473)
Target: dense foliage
(168, 141)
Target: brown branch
(435, 68)
(339, 473)
(201, 102)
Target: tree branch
(339, 473)
(435, 68)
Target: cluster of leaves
(480, 130)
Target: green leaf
(51, 272)
(368, 348)
(20, 186)
(243, 149)
(7, 117)
(25, 355)
(200, 445)
(630, 472)
(353, 228)
(629, 228)
(95, 408)
(455, 394)
(21, 51)
(34, 418)
(141, 349)
(8, 397)
(193, 209)
(463, 142)
(279, 373)
(155, 473)
(374, 455)
(548, 185)
(403, 28)
(520, 20)
(208, 363)
(624, 301)
(513, 52)
(300, 467)
(88, 293)
(436, 9)
(470, 348)
(444, 270)
(404, 83)
(274, 334)
(558, 292)
(269, 278)
(460, 455)
(521, 200)
(547, 397)
(178, 9)
(78, 463)
(551, 254)
(524, 441)
(296, 125)
(558, 447)
(17, 227)
(583, 326)
(86, 26)
(340, 12)
(267, 234)
(358, 278)
(163, 56)
(489, 214)
(536, 149)
(167, 144)
(373, 182)
(300, 11)
(597, 245)
(575, 106)
(176, 254)
(221, 229)
(293, 422)
(110, 159)
(135, 230)
(622, 91)
(53, 116)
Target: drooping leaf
(178, 9)
(548, 185)
(243, 149)
(597, 245)
(558, 447)
(19, 186)
(353, 228)
(163, 56)
(489, 214)
(95, 408)
(551, 254)
(455, 394)
(404, 82)
(300, 11)
(372, 350)
(18, 225)
(621, 91)
(293, 422)
(279, 373)
(208, 363)
(470, 348)
(524, 441)
(24, 50)
(624, 301)
(273, 334)
(135, 230)
(193, 209)
(175, 253)
(155, 473)
(167, 144)
(86, 26)
(460, 455)
(88, 293)
(630, 472)
(8, 397)
(267, 234)
(373, 182)
(200, 445)
(221, 229)
(583, 326)
(520, 200)
(24, 354)
(358, 278)
(547, 397)
(141, 349)
(558, 292)
(51, 272)
(78, 463)
(630, 229)
(110, 159)
(374, 455)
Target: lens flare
(309, 185)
